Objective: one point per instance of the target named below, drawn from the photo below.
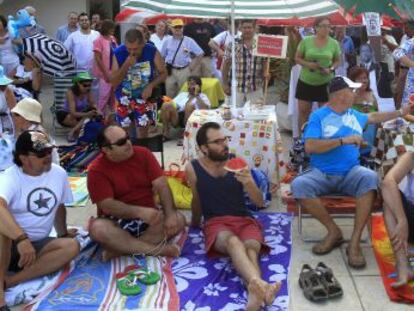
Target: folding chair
(154, 143)
(62, 81)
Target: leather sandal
(329, 281)
(310, 282)
(328, 248)
(356, 262)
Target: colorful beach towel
(212, 284)
(92, 285)
(386, 262)
(79, 191)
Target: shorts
(135, 227)
(128, 110)
(312, 183)
(409, 213)
(15, 256)
(61, 116)
(245, 228)
(181, 117)
(312, 93)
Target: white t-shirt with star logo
(34, 200)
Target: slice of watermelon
(411, 99)
(236, 165)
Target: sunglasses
(120, 142)
(43, 153)
(86, 85)
(218, 141)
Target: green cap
(82, 76)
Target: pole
(233, 57)
(266, 82)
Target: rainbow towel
(386, 262)
(79, 191)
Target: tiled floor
(363, 289)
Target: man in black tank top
(229, 227)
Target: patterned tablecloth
(258, 142)
(390, 144)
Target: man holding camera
(182, 55)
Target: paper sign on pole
(372, 21)
(271, 46)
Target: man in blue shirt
(64, 31)
(333, 138)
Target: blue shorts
(312, 183)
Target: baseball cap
(33, 141)
(340, 82)
(29, 108)
(82, 76)
(177, 22)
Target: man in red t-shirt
(122, 182)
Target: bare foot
(108, 255)
(170, 250)
(404, 276)
(271, 292)
(150, 216)
(256, 294)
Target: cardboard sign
(271, 46)
(373, 23)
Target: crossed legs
(245, 258)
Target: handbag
(181, 192)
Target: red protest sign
(271, 46)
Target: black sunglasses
(43, 153)
(120, 142)
(86, 84)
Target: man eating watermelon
(218, 185)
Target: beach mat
(386, 262)
(212, 284)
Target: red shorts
(245, 228)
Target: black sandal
(310, 282)
(330, 282)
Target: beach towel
(206, 284)
(79, 191)
(386, 262)
(91, 285)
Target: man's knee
(252, 245)
(72, 248)
(365, 180)
(98, 230)
(302, 187)
(233, 242)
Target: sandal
(310, 282)
(356, 262)
(329, 248)
(329, 281)
(126, 283)
(143, 275)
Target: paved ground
(363, 290)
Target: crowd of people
(124, 84)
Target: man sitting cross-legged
(399, 215)
(333, 137)
(122, 182)
(229, 227)
(32, 194)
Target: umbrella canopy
(53, 54)
(137, 16)
(389, 7)
(267, 9)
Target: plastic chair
(154, 143)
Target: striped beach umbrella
(54, 56)
(260, 9)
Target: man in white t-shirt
(80, 43)
(183, 105)
(32, 197)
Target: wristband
(21, 238)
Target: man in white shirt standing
(160, 34)
(80, 44)
(32, 197)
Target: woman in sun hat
(78, 106)
(7, 102)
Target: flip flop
(328, 248)
(310, 282)
(126, 283)
(143, 275)
(356, 262)
(329, 281)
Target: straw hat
(177, 22)
(3, 78)
(29, 108)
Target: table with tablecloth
(257, 141)
(390, 144)
(212, 88)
